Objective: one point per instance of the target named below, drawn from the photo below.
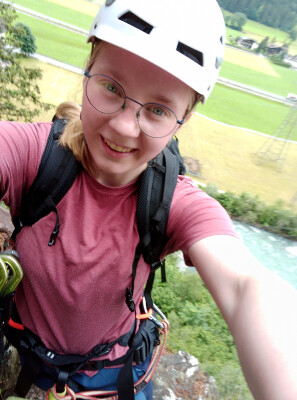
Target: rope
(112, 395)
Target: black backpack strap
(173, 147)
(56, 173)
(157, 185)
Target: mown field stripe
(61, 12)
(57, 43)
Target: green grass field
(227, 154)
(82, 18)
(242, 109)
(57, 43)
(284, 81)
(228, 160)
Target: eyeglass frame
(179, 122)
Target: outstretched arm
(260, 310)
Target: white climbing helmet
(183, 37)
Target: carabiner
(156, 322)
(3, 274)
(15, 274)
(159, 312)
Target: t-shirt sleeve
(21, 149)
(194, 216)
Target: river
(275, 252)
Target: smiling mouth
(117, 148)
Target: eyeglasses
(108, 97)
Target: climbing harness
(163, 326)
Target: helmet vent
(191, 53)
(136, 22)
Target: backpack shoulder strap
(157, 186)
(173, 147)
(57, 171)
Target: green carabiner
(15, 274)
(3, 274)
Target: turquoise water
(273, 251)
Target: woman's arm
(260, 310)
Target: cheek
(155, 146)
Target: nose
(125, 121)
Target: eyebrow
(158, 98)
(165, 101)
(118, 77)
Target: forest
(281, 14)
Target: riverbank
(248, 209)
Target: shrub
(26, 39)
(211, 190)
(251, 210)
(278, 60)
(197, 327)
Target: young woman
(150, 65)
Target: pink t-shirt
(73, 293)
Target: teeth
(120, 149)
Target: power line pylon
(275, 147)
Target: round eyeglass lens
(156, 120)
(105, 94)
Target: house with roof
(247, 43)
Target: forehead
(127, 67)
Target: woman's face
(119, 150)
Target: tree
(236, 21)
(293, 35)
(280, 14)
(26, 39)
(240, 20)
(19, 91)
(262, 46)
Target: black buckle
(129, 300)
(157, 264)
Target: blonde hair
(73, 135)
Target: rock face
(6, 226)
(9, 370)
(179, 377)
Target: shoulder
(194, 215)
(22, 146)
(24, 138)
(25, 129)
(189, 197)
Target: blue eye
(158, 111)
(111, 87)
